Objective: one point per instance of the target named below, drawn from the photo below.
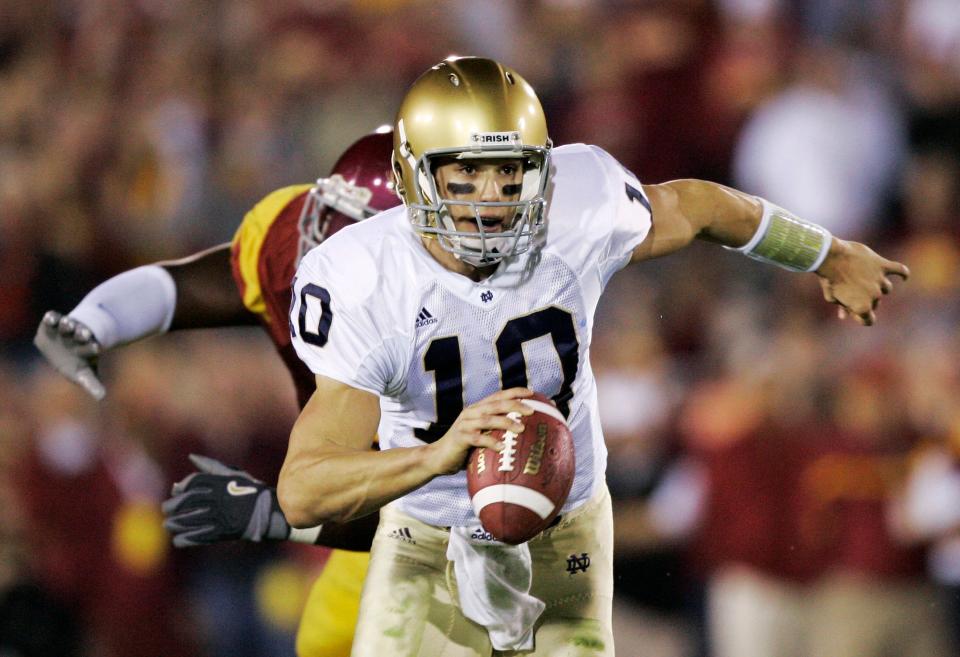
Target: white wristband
(129, 306)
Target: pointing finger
(867, 319)
(896, 269)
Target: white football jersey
(374, 310)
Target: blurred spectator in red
(798, 540)
(873, 599)
(34, 622)
(91, 503)
(747, 544)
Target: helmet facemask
(360, 185)
(431, 213)
(331, 200)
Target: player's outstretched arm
(851, 274)
(207, 296)
(219, 503)
(194, 292)
(331, 474)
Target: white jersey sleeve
(597, 213)
(630, 217)
(334, 332)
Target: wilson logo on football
(532, 466)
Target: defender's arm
(206, 294)
(195, 292)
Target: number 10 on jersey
(443, 358)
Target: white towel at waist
(494, 581)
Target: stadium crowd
(785, 484)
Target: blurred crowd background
(787, 484)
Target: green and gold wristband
(785, 240)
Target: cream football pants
(410, 605)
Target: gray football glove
(72, 349)
(220, 503)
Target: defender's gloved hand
(72, 349)
(220, 503)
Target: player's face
(493, 180)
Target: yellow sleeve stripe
(250, 237)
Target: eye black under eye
(461, 188)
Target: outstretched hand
(72, 349)
(855, 277)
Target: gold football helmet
(463, 108)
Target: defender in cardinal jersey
(429, 324)
(198, 292)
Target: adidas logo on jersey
(425, 318)
(402, 534)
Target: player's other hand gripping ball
(519, 491)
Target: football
(519, 491)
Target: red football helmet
(359, 186)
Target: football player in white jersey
(429, 323)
